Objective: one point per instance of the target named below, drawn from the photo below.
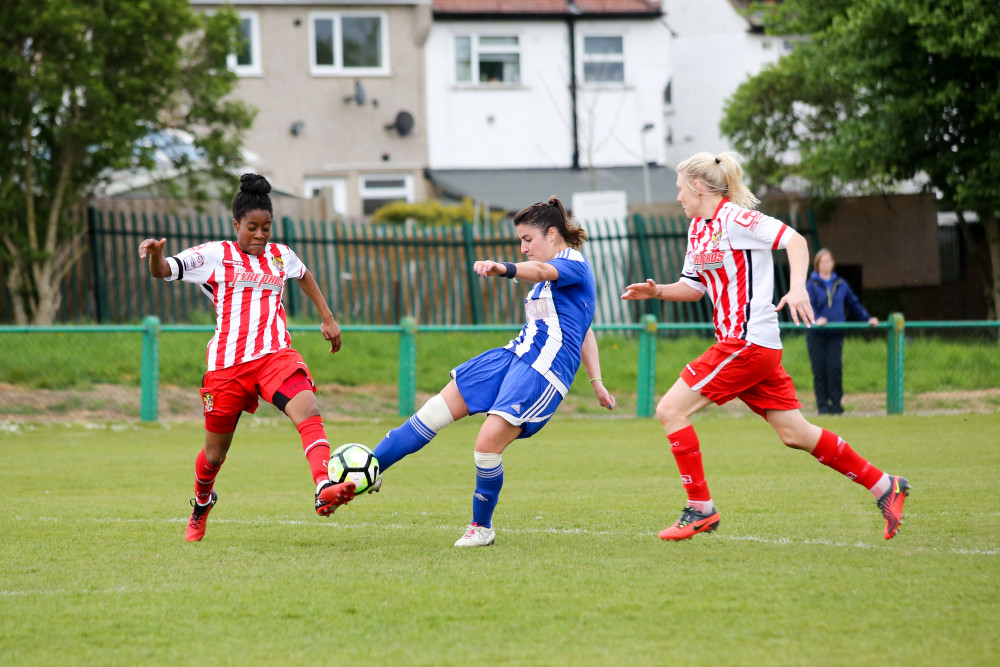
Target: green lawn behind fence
(79, 360)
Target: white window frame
(337, 185)
(337, 68)
(475, 49)
(600, 58)
(255, 67)
(404, 192)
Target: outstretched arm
(532, 271)
(797, 298)
(329, 327)
(678, 291)
(153, 249)
(592, 364)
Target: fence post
(645, 256)
(407, 366)
(647, 367)
(475, 295)
(288, 238)
(150, 378)
(100, 295)
(894, 381)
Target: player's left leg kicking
(296, 398)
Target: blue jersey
(559, 313)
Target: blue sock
(402, 441)
(484, 500)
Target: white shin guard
(435, 414)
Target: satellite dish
(359, 94)
(403, 123)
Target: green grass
(95, 569)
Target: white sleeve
(752, 230)
(294, 267)
(195, 265)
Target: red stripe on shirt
(246, 299)
(777, 240)
(224, 325)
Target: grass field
(96, 572)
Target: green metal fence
(61, 371)
(379, 274)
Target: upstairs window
(348, 43)
(246, 60)
(487, 59)
(603, 59)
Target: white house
(550, 94)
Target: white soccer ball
(356, 463)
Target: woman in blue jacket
(832, 301)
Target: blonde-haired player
(729, 258)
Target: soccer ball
(356, 463)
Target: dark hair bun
(254, 184)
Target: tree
(83, 86)
(882, 92)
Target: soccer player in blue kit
(518, 386)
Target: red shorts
(738, 369)
(230, 391)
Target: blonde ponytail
(719, 174)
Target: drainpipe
(574, 11)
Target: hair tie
(553, 202)
(718, 161)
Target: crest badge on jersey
(278, 263)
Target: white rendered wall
(713, 53)
(530, 125)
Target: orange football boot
(891, 504)
(690, 524)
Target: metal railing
(968, 345)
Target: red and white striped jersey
(729, 256)
(246, 290)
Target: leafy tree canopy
(880, 92)
(83, 84)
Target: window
(333, 190)
(377, 191)
(603, 59)
(487, 59)
(246, 60)
(348, 43)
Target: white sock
(703, 506)
(881, 486)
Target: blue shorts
(497, 382)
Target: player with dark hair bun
(518, 386)
(250, 356)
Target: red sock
(684, 446)
(833, 452)
(204, 477)
(315, 445)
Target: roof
(443, 8)
(513, 189)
